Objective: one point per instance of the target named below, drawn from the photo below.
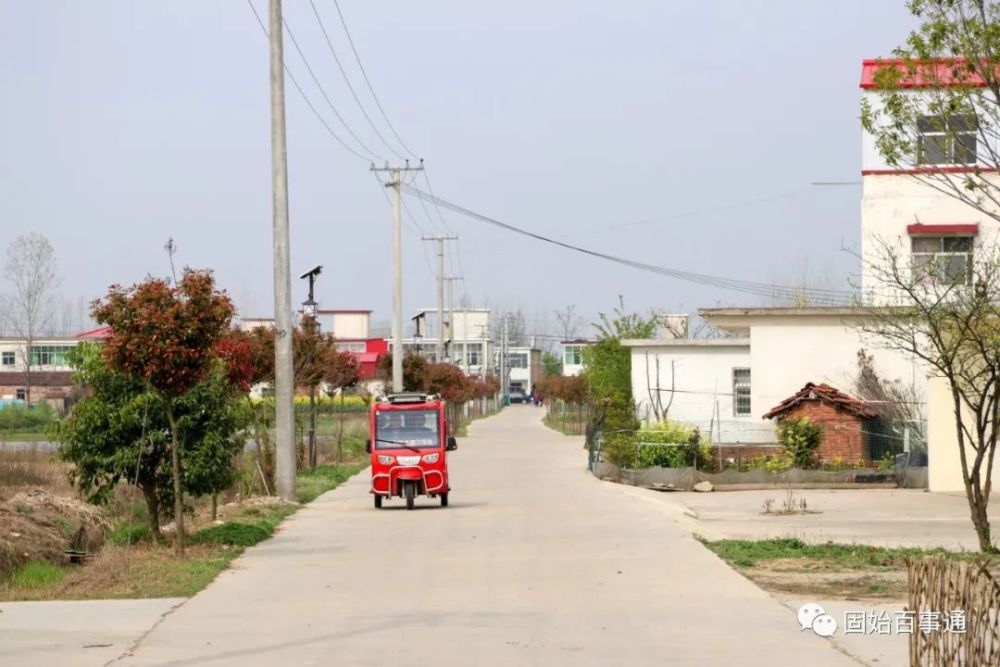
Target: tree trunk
(175, 469)
(340, 430)
(312, 427)
(152, 508)
(215, 505)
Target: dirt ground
(806, 578)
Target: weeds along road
(535, 562)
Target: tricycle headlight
(431, 458)
(385, 460)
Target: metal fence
(904, 440)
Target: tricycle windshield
(406, 428)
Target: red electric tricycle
(409, 444)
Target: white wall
(702, 377)
(944, 464)
(788, 351)
(890, 203)
(350, 325)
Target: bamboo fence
(940, 587)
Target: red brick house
(842, 417)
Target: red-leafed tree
(167, 337)
(448, 381)
(249, 360)
(312, 351)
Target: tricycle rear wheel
(378, 501)
(444, 499)
(409, 490)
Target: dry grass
(31, 469)
(41, 527)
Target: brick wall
(842, 436)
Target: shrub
(20, 418)
(686, 447)
(127, 532)
(800, 438)
(621, 449)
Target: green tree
(120, 432)
(166, 337)
(551, 364)
(622, 324)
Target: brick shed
(842, 418)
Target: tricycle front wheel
(409, 490)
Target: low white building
(792, 346)
(706, 383)
(466, 338)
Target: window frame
(952, 141)
(934, 257)
(742, 392)
(7, 354)
(577, 352)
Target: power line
(823, 296)
(368, 82)
(712, 209)
(305, 97)
(322, 90)
(347, 80)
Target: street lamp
(309, 305)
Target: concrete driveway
(535, 563)
(880, 517)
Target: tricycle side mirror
(368, 445)
(452, 444)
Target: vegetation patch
(314, 483)
(792, 567)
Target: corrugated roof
(826, 393)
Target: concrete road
(535, 563)
(84, 633)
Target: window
(7, 359)
(573, 355)
(50, 355)
(21, 395)
(518, 359)
(741, 391)
(942, 259)
(947, 140)
(472, 355)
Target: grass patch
(311, 484)
(751, 553)
(129, 532)
(23, 436)
(38, 574)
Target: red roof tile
(823, 392)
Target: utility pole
(451, 317)
(396, 174)
(504, 370)
(439, 352)
(283, 372)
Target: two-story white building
(467, 342)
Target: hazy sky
(127, 122)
